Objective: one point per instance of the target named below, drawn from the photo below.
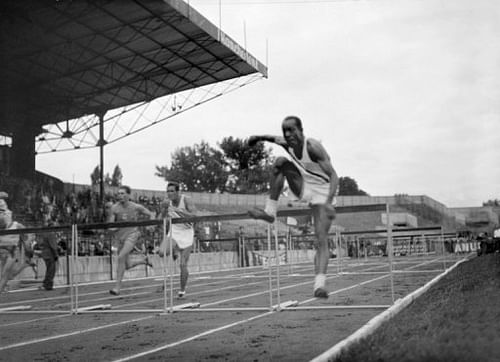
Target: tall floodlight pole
(101, 144)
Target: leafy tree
(199, 168)
(107, 179)
(95, 176)
(248, 167)
(116, 179)
(237, 169)
(349, 187)
(493, 202)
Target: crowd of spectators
(34, 202)
(31, 202)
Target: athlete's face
(123, 196)
(172, 194)
(292, 134)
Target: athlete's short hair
(127, 189)
(174, 184)
(297, 121)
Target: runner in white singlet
(312, 178)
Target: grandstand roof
(62, 60)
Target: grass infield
(457, 319)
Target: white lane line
(40, 340)
(370, 281)
(123, 305)
(206, 333)
(215, 330)
(75, 333)
(30, 321)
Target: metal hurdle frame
(170, 307)
(196, 307)
(27, 309)
(390, 233)
(288, 305)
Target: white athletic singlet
(316, 183)
(307, 165)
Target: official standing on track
(179, 205)
(49, 254)
(312, 179)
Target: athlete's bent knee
(279, 163)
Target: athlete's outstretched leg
(6, 271)
(122, 265)
(143, 261)
(184, 253)
(13, 266)
(323, 217)
(282, 169)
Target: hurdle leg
(197, 246)
(164, 266)
(442, 248)
(269, 267)
(171, 266)
(277, 258)
(389, 250)
(339, 256)
(289, 250)
(75, 264)
(337, 251)
(71, 269)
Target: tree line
(230, 167)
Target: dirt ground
(201, 334)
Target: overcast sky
(404, 94)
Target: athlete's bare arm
(189, 205)
(279, 140)
(144, 211)
(111, 217)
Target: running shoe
(260, 214)
(321, 293)
(181, 294)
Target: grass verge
(458, 319)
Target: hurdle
(31, 309)
(288, 305)
(92, 307)
(170, 307)
(389, 234)
(275, 270)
